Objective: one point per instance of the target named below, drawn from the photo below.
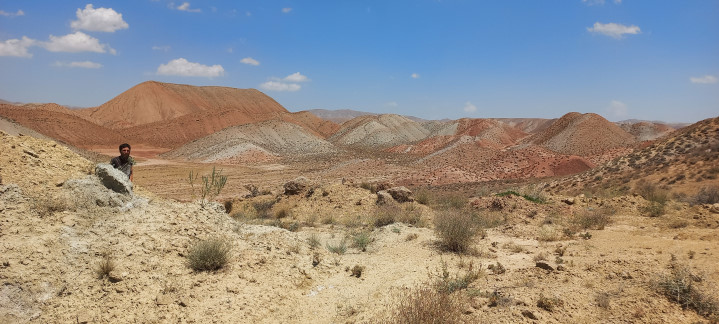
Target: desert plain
(331, 218)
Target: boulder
(296, 186)
(401, 194)
(113, 179)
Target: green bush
(208, 255)
(361, 240)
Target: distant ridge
(152, 102)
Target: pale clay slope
(272, 137)
(378, 131)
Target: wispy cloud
(100, 19)
(17, 47)
(617, 109)
(185, 6)
(415, 76)
(183, 67)
(77, 42)
(84, 65)
(286, 10)
(614, 30)
(599, 2)
(250, 61)
(707, 79)
(161, 48)
(391, 104)
(469, 107)
(12, 14)
(280, 86)
(296, 77)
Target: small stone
(84, 317)
(544, 266)
(401, 194)
(468, 310)
(569, 201)
(528, 314)
(561, 267)
(163, 300)
(383, 197)
(114, 276)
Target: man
(124, 162)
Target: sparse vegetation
(452, 201)
(683, 287)
(595, 219)
(549, 303)
(422, 196)
(448, 284)
(357, 270)
(706, 195)
(211, 187)
(104, 266)
(427, 305)
(313, 241)
(208, 255)
(361, 240)
(456, 229)
(386, 214)
(263, 208)
(340, 248)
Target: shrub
(362, 240)
(208, 255)
(549, 303)
(264, 208)
(313, 241)
(386, 214)
(653, 209)
(357, 270)
(681, 286)
(211, 187)
(453, 201)
(422, 196)
(455, 229)
(651, 192)
(228, 206)
(104, 267)
(706, 195)
(595, 219)
(427, 305)
(340, 248)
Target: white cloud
(161, 48)
(614, 30)
(10, 14)
(286, 10)
(77, 42)
(17, 47)
(593, 2)
(296, 77)
(84, 64)
(185, 6)
(415, 76)
(182, 67)
(280, 86)
(707, 79)
(100, 19)
(250, 61)
(391, 104)
(617, 109)
(618, 1)
(469, 107)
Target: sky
(433, 59)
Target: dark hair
(124, 145)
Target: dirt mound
(378, 132)
(152, 101)
(646, 131)
(582, 134)
(261, 141)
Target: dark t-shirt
(124, 166)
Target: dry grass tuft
(208, 255)
(456, 230)
(683, 287)
(427, 305)
(595, 219)
(706, 195)
(105, 266)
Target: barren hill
(151, 102)
(253, 142)
(528, 125)
(682, 161)
(582, 134)
(378, 132)
(338, 116)
(323, 128)
(60, 124)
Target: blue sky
(654, 60)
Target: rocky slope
(377, 132)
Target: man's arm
(132, 172)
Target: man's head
(124, 150)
